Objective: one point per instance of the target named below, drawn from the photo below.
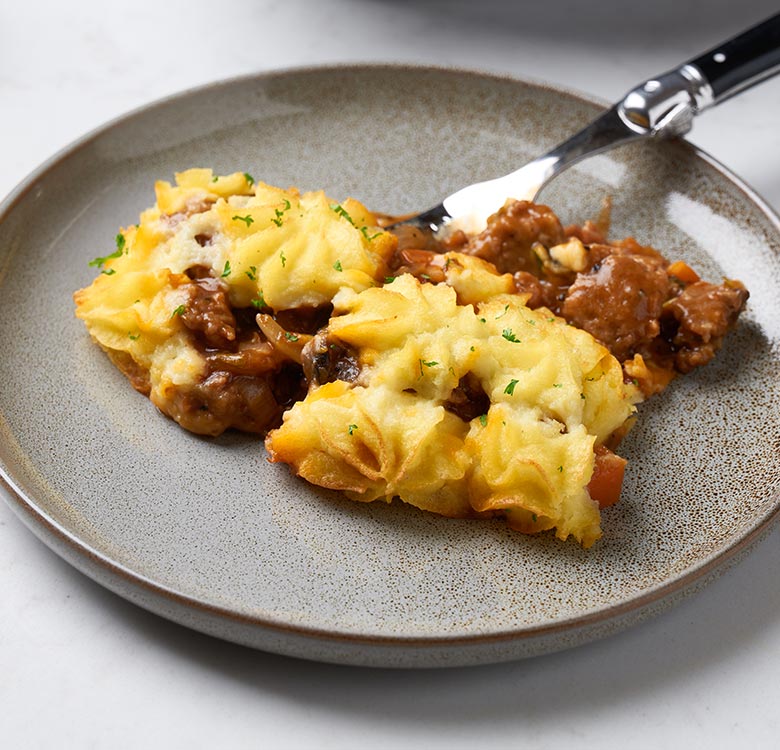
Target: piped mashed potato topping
(550, 393)
(214, 249)
(476, 376)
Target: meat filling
(624, 294)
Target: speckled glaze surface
(207, 533)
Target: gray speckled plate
(209, 534)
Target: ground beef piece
(222, 401)
(511, 233)
(468, 400)
(207, 312)
(695, 322)
(543, 293)
(619, 301)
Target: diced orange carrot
(607, 479)
(681, 270)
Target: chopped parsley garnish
(215, 178)
(557, 385)
(482, 320)
(259, 301)
(120, 247)
(510, 388)
(352, 428)
(509, 336)
(290, 336)
(252, 273)
(279, 214)
(225, 270)
(133, 337)
(483, 420)
(501, 315)
(364, 231)
(341, 211)
(249, 179)
(471, 348)
(560, 469)
(108, 271)
(246, 219)
(423, 363)
(283, 258)
(534, 517)
(337, 266)
(178, 311)
(425, 276)
(390, 279)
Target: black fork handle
(743, 61)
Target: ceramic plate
(209, 534)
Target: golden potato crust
(476, 376)
(174, 305)
(552, 394)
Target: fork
(660, 107)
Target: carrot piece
(607, 479)
(681, 270)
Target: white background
(80, 668)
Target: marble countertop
(82, 668)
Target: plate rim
(50, 531)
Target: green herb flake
(121, 242)
(423, 363)
(341, 211)
(259, 301)
(178, 311)
(108, 271)
(226, 270)
(510, 388)
(501, 314)
(352, 428)
(337, 266)
(471, 349)
(390, 279)
(560, 469)
(534, 517)
(425, 277)
(557, 385)
(249, 179)
(483, 420)
(291, 336)
(248, 220)
(252, 273)
(98, 262)
(215, 178)
(364, 232)
(133, 337)
(582, 396)
(283, 258)
(509, 336)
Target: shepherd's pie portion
(463, 410)
(177, 302)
